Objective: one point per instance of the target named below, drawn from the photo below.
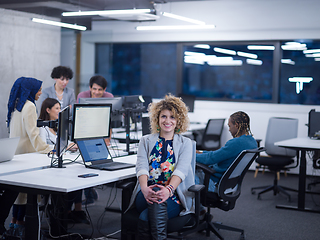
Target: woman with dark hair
(61, 75)
(221, 159)
(22, 122)
(163, 169)
(50, 111)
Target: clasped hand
(153, 196)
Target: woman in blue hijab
(22, 122)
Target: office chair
(182, 225)
(209, 139)
(228, 190)
(278, 158)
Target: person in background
(97, 89)
(163, 169)
(50, 111)
(61, 75)
(22, 122)
(221, 159)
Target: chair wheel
(242, 237)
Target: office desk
(37, 179)
(302, 145)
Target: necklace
(59, 94)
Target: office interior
(32, 49)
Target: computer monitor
(133, 101)
(188, 100)
(314, 124)
(116, 102)
(62, 134)
(91, 121)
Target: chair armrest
(196, 188)
(205, 168)
(126, 185)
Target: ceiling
(55, 8)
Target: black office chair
(228, 190)
(278, 158)
(209, 139)
(182, 225)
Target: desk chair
(182, 225)
(209, 139)
(278, 158)
(228, 191)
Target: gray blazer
(184, 151)
(49, 92)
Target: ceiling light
(194, 60)
(254, 62)
(170, 15)
(313, 55)
(288, 61)
(311, 51)
(248, 55)
(175, 27)
(59, 24)
(204, 46)
(225, 51)
(294, 46)
(260, 47)
(106, 12)
(299, 82)
(220, 62)
(194, 53)
(317, 59)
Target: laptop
(95, 154)
(8, 147)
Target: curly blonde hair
(173, 104)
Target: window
(300, 59)
(227, 72)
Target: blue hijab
(22, 90)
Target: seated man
(98, 86)
(221, 159)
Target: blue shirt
(222, 158)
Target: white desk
(34, 176)
(302, 145)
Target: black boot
(158, 217)
(143, 230)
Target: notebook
(8, 147)
(95, 154)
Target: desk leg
(302, 187)
(32, 220)
(58, 217)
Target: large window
(300, 74)
(149, 69)
(227, 72)
(272, 71)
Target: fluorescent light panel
(260, 47)
(254, 62)
(313, 55)
(311, 51)
(225, 51)
(106, 12)
(59, 24)
(248, 55)
(190, 20)
(203, 46)
(175, 27)
(317, 59)
(288, 61)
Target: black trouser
(7, 199)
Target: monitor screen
(63, 131)
(188, 100)
(314, 124)
(116, 103)
(133, 101)
(91, 121)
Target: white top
(47, 136)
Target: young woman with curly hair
(163, 168)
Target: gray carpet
(259, 218)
